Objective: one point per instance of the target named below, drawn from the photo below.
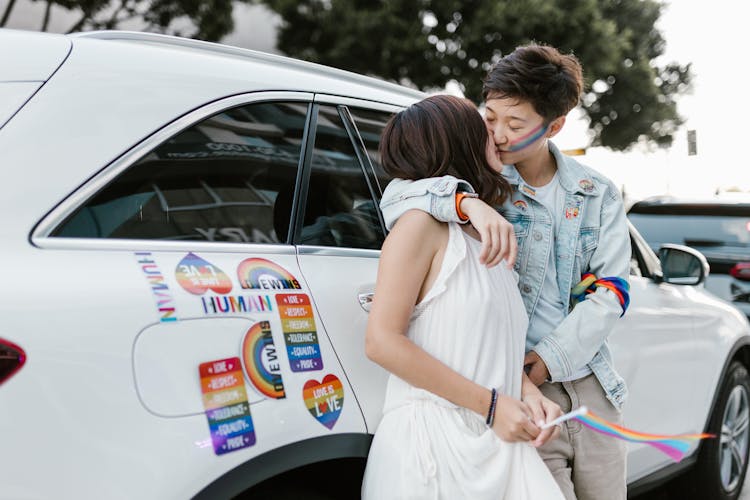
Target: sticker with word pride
(227, 409)
(300, 335)
(324, 400)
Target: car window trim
(40, 235)
(647, 259)
(305, 173)
(337, 251)
(349, 102)
(364, 161)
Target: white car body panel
(42, 54)
(336, 281)
(13, 95)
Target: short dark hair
(441, 135)
(539, 74)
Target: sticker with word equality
(301, 338)
(324, 400)
(227, 409)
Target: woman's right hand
(513, 420)
(497, 234)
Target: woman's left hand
(543, 410)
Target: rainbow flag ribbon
(589, 283)
(674, 446)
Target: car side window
(370, 124)
(340, 210)
(230, 177)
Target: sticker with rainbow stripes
(198, 276)
(324, 400)
(300, 335)
(261, 361)
(257, 273)
(227, 408)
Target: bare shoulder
(418, 228)
(419, 222)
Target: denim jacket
(593, 237)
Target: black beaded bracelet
(491, 411)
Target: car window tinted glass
(340, 211)
(707, 233)
(231, 177)
(370, 125)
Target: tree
(426, 43)
(203, 19)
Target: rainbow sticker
(263, 274)
(324, 400)
(198, 276)
(261, 361)
(227, 409)
(300, 335)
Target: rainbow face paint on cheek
(528, 139)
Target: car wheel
(722, 462)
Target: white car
(191, 235)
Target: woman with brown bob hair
(451, 333)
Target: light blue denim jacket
(592, 237)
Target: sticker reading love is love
(198, 276)
(261, 361)
(300, 335)
(226, 405)
(324, 400)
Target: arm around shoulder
(435, 195)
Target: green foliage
(426, 43)
(203, 19)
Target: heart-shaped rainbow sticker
(198, 276)
(324, 400)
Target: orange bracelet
(459, 197)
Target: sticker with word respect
(300, 335)
(227, 408)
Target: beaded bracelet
(493, 406)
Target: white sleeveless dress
(473, 320)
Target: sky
(709, 37)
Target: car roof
(670, 205)
(266, 59)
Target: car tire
(722, 461)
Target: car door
(654, 348)
(209, 320)
(341, 232)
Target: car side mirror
(682, 265)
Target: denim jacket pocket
(588, 239)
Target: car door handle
(365, 300)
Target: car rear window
(717, 236)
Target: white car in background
(191, 235)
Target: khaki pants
(587, 465)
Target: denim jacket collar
(573, 177)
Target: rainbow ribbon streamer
(589, 283)
(674, 446)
